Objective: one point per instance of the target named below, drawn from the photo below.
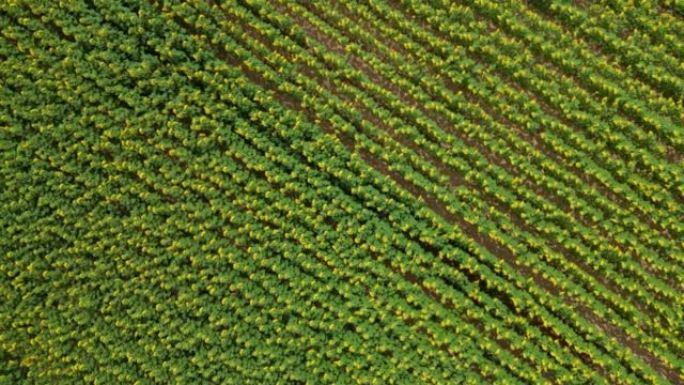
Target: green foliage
(276, 192)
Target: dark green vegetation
(373, 192)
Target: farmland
(344, 192)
